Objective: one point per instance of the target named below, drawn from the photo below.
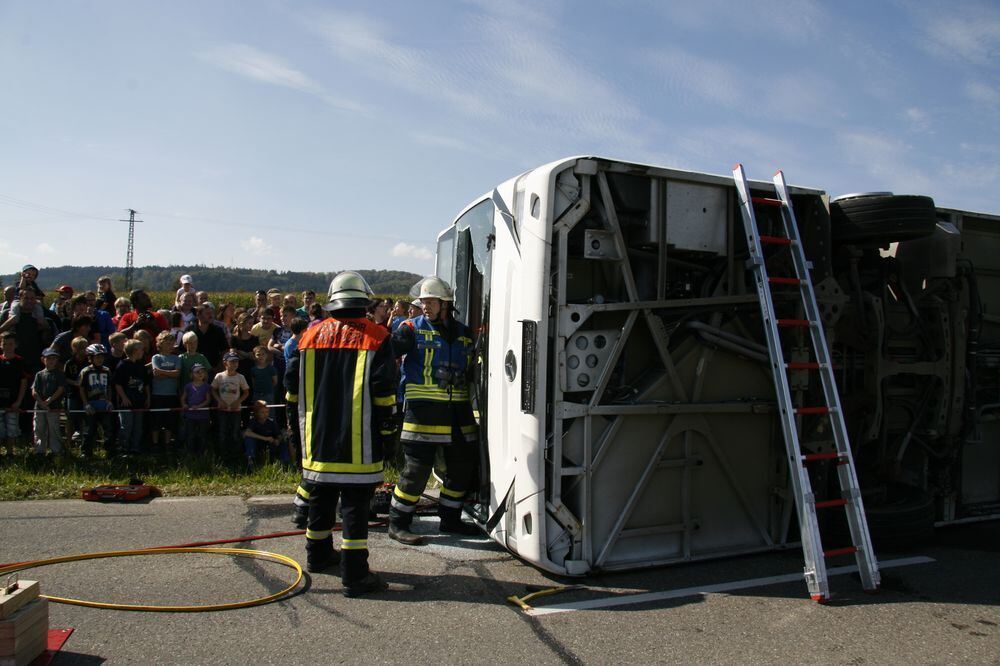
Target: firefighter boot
(451, 522)
(402, 534)
(370, 583)
(320, 555)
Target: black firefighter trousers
(354, 503)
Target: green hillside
(165, 278)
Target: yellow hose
(239, 552)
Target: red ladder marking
(840, 551)
(775, 240)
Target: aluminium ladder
(798, 460)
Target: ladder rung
(798, 365)
(784, 280)
(826, 504)
(767, 201)
(791, 323)
(812, 410)
(840, 551)
(813, 457)
(775, 240)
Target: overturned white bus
(626, 404)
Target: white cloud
(917, 118)
(256, 245)
(513, 71)
(415, 251)
(45, 248)
(888, 161)
(439, 141)
(967, 33)
(982, 93)
(264, 67)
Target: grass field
(25, 476)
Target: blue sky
(332, 135)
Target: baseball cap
(186, 279)
(261, 292)
(27, 267)
(416, 303)
(230, 356)
(65, 287)
(272, 292)
(49, 351)
(197, 366)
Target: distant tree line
(165, 278)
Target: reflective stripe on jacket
(346, 398)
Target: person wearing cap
(195, 399)
(63, 304)
(415, 309)
(48, 389)
(28, 280)
(95, 386)
(229, 390)
(274, 302)
(437, 413)
(343, 369)
(187, 287)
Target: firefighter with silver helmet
(344, 371)
(437, 412)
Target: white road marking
(628, 599)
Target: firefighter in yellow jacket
(346, 397)
(437, 412)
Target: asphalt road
(447, 601)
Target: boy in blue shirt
(262, 428)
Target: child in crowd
(131, 381)
(196, 396)
(74, 403)
(264, 329)
(186, 309)
(13, 384)
(297, 327)
(187, 287)
(95, 384)
(263, 376)
(117, 354)
(177, 327)
(48, 389)
(191, 356)
(165, 388)
(229, 389)
(262, 428)
(146, 338)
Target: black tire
(901, 518)
(882, 218)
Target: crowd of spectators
(193, 377)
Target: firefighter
(344, 370)
(437, 412)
